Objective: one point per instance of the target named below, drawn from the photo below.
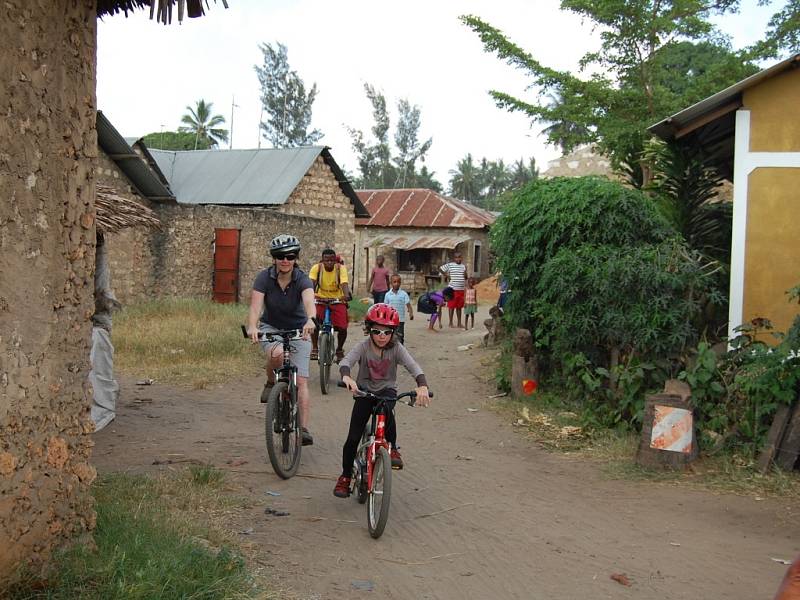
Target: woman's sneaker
(342, 489)
(306, 437)
(397, 460)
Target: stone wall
(582, 161)
(318, 195)
(48, 147)
(179, 260)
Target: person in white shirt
(400, 301)
(456, 274)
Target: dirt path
(479, 512)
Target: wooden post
(774, 437)
(524, 364)
(668, 437)
(789, 448)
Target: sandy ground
(479, 511)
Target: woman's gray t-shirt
(283, 309)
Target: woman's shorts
(301, 350)
(470, 309)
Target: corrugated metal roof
(420, 208)
(235, 176)
(244, 177)
(721, 101)
(140, 174)
(416, 242)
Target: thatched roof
(115, 212)
(161, 10)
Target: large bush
(549, 215)
(611, 302)
(611, 292)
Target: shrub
(554, 214)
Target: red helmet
(383, 314)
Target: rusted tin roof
(416, 242)
(420, 208)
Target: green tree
(406, 140)
(199, 122)
(614, 106)
(285, 100)
(378, 168)
(175, 140)
(783, 32)
(465, 181)
(685, 188)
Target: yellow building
(751, 132)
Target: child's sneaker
(342, 489)
(397, 460)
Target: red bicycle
(372, 468)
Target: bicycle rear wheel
(325, 359)
(380, 494)
(282, 431)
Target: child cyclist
(377, 358)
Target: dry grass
(544, 419)
(186, 342)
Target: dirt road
(479, 511)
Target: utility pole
(260, 120)
(233, 105)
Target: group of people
(284, 298)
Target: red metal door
(226, 266)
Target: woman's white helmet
(283, 244)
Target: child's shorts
(470, 309)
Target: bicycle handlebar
(412, 395)
(279, 335)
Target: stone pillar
(524, 364)
(48, 146)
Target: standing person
(456, 279)
(377, 358)
(378, 283)
(400, 301)
(470, 303)
(283, 298)
(331, 283)
(439, 298)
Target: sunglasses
(382, 331)
(284, 256)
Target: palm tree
(204, 127)
(464, 180)
(561, 131)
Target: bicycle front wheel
(325, 359)
(360, 469)
(380, 494)
(282, 431)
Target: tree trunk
(47, 153)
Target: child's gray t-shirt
(375, 371)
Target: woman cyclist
(377, 358)
(283, 298)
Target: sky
(148, 73)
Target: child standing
(377, 358)
(439, 297)
(470, 303)
(401, 302)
